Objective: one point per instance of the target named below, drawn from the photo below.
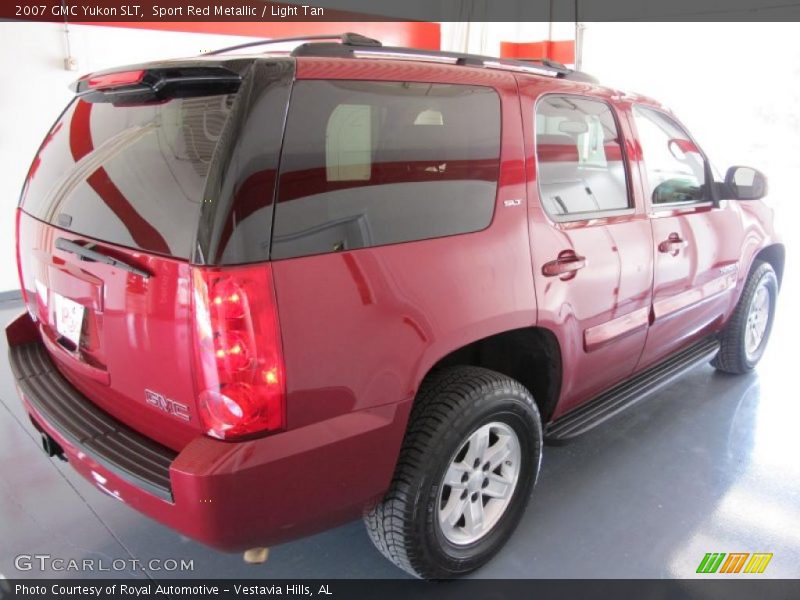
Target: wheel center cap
(475, 481)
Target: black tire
(733, 356)
(452, 404)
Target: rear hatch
(108, 229)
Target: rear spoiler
(134, 86)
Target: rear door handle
(672, 245)
(565, 266)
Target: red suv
(269, 293)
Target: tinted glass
(132, 176)
(236, 221)
(371, 163)
(579, 155)
(675, 168)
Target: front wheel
(469, 461)
(744, 339)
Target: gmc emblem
(161, 402)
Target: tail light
(157, 84)
(111, 80)
(239, 373)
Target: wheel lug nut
(463, 494)
(475, 497)
(477, 463)
(486, 467)
(464, 478)
(485, 482)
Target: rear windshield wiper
(95, 256)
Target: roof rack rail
(545, 61)
(355, 45)
(345, 49)
(349, 39)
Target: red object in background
(685, 146)
(411, 34)
(559, 51)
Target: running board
(630, 392)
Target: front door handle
(672, 245)
(565, 266)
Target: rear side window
(129, 175)
(370, 163)
(581, 169)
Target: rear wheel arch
(529, 355)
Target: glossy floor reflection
(709, 464)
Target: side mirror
(745, 183)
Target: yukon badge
(176, 409)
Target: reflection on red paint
(80, 143)
(358, 277)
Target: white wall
(35, 91)
(736, 87)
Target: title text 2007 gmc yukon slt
(267, 294)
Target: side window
(579, 155)
(675, 168)
(368, 163)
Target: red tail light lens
(238, 360)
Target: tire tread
(731, 357)
(441, 398)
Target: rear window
(133, 176)
(369, 163)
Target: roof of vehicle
(229, 64)
(355, 46)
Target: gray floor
(708, 465)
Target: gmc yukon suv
(269, 293)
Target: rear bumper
(57, 406)
(228, 495)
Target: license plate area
(68, 316)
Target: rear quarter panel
(361, 328)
